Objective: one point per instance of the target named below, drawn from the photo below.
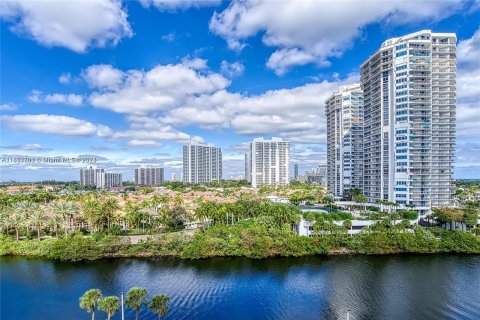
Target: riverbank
(244, 240)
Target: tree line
(136, 299)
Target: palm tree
(4, 220)
(89, 300)
(159, 305)
(91, 209)
(109, 208)
(178, 200)
(68, 210)
(37, 218)
(136, 297)
(17, 220)
(110, 305)
(56, 220)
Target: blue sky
(130, 82)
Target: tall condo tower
(202, 163)
(344, 113)
(149, 176)
(409, 97)
(269, 162)
(88, 176)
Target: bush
(408, 214)
(74, 248)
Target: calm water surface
(390, 287)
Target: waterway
(371, 287)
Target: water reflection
(372, 287)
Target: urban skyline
(79, 100)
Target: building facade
(248, 171)
(149, 176)
(344, 113)
(108, 180)
(409, 131)
(269, 162)
(202, 163)
(88, 176)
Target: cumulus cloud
(36, 96)
(161, 88)
(313, 31)
(188, 93)
(70, 99)
(171, 5)
(50, 124)
(150, 129)
(65, 78)
(75, 25)
(137, 143)
(103, 76)
(231, 69)
(8, 107)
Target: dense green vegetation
(253, 239)
(96, 225)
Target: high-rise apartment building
(108, 180)
(248, 171)
(88, 176)
(344, 113)
(149, 176)
(202, 163)
(269, 162)
(295, 172)
(409, 112)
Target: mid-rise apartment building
(202, 163)
(149, 176)
(409, 115)
(269, 162)
(344, 113)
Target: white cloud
(162, 88)
(103, 76)
(8, 107)
(70, 99)
(51, 124)
(26, 147)
(76, 25)
(169, 37)
(35, 96)
(312, 31)
(231, 69)
(170, 5)
(65, 78)
(468, 89)
(143, 143)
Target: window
(401, 157)
(400, 189)
(401, 53)
(401, 183)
